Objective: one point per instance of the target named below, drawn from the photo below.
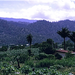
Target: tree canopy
(64, 33)
(29, 39)
(72, 37)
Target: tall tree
(51, 42)
(64, 33)
(29, 39)
(72, 37)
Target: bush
(48, 72)
(65, 62)
(25, 69)
(68, 55)
(58, 56)
(36, 45)
(6, 69)
(2, 56)
(45, 63)
(58, 66)
(30, 63)
(42, 56)
(29, 52)
(23, 58)
(47, 47)
(4, 48)
(48, 50)
(51, 56)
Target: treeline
(11, 47)
(66, 33)
(24, 61)
(49, 44)
(15, 32)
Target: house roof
(65, 51)
(62, 51)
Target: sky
(50, 10)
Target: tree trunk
(64, 44)
(18, 63)
(30, 46)
(74, 46)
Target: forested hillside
(12, 32)
(16, 32)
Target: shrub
(4, 48)
(48, 50)
(68, 55)
(29, 52)
(58, 56)
(23, 58)
(25, 69)
(65, 62)
(2, 56)
(30, 63)
(45, 63)
(6, 69)
(42, 56)
(51, 56)
(47, 47)
(36, 45)
(58, 66)
(40, 72)
(48, 72)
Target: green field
(34, 64)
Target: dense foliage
(15, 32)
(48, 64)
(40, 58)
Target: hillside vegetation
(40, 58)
(16, 32)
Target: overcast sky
(51, 10)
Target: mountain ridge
(15, 32)
(18, 20)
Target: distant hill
(18, 20)
(44, 29)
(15, 32)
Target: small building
(0, 46)
(63, 52)
(27, 44)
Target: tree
(29, 39)
(72, 37)
(47, 47)
(68, 44)
(17, 58)
(64, 33)
(51, 42)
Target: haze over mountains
(18, 20)
(15, 32)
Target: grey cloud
(66, 6)
(71, 18)
(40, 15)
